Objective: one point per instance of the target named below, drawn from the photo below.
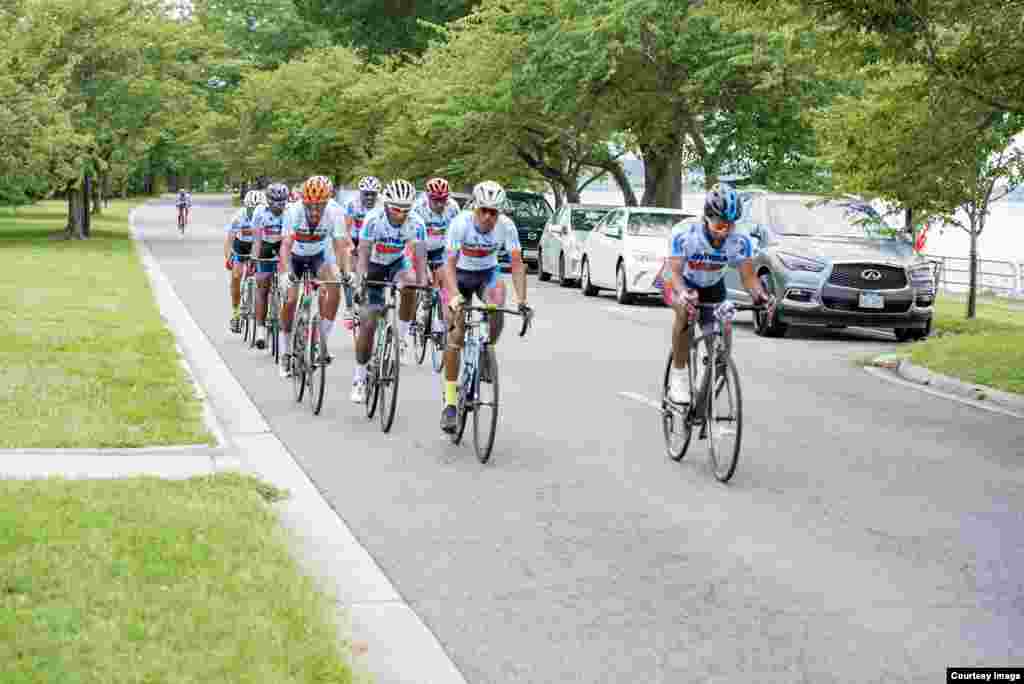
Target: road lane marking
(642, 399)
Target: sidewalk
(399, 648)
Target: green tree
(263, 33)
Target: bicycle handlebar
(527, 315)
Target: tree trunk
(622, 180)
(556, 190)
(107, 190)
(663, 174)
(74, 228)
(972, 294)
(86, 213)
(97, 195)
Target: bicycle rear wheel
(725, 419)
(299, 357)
(421, 329)
(675, 423)
(438, 341)
(389, 374)
(316, 367)
(273, 324)
(373, 375)
(245, 306)
(485, 406)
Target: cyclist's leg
(436, 261)
(329, 305)
(298, 266)
(406, 302)
(238, 265)
(468, 283)
(370, 312)
(494, 293)
(264, 272)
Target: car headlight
(921, 276)
(795, 262)
(645, 257)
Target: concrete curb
(400, 647)
(979, 396)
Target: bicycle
(716, 425)
(428, 310)
(308, 360)
(383, 371)
(273, 316)
(247, 305)
(473, 376)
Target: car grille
(849, 275)
(892, 306)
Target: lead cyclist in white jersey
(699, 252)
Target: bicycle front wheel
(438, 341)
(299, 358)
(675, 423)
(485, 405)
(388, 381)
(421, 331)
(373, 376)
(317, 367)
(725, 418)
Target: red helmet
(437, 189)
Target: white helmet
(399, 193)
(254, 198)
(369, 184)
(488, 195)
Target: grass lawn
(85, 360)
(988, 350)
(148, 580)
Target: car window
(652, 225)
(613, 222)
(587, 219)
(848, 218)
(528, 207)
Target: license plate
(871, 300)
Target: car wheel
(622, 295)
(904, 334)
(923, 333)
(543, 275)
(761, 325)
(588, 288)
(565, 282)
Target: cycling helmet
(254, 198)
(277, 194)
(399, 193)
(369, 184)
(488, 195)
(437, 189)
(723, 202)
(317, 189)
(295, 196)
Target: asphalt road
(872, 532)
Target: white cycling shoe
(678, 389)
(358, 395)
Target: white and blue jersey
(479, 251)
(269, 228)
(437, 224)
(355, 210)
(309, 240)
(240, 227)
(703, 264)
(389, 241)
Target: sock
(235, 310)
(326, 327)
(360, 374)
(286, 341)
(403, 328)
(451, 393)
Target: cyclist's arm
(365, 245)
(228, 240)
(286, 249)
(751, 281)
(678, 285)
(451, 282)
(518, 275)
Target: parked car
(461, 198)
(561, 244)
(531, 212)
(834, 263)
(626, 250)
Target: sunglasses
(489, 212)
(398, 210)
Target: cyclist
(437, 209)
(699, 251)
(385, 235)
(237, 246)
(267, 223)
(356, 210)
(312, 236)
(474, 239)
(184, 203)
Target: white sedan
(626, 251)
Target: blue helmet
(723, 202)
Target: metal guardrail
(952, 274)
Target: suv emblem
(870, 274)
(533, 236)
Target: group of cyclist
(383, 235)
(386, 234)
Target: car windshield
(586, 219)
(847, 218)
(654, 225)
(528, 207)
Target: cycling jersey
(241, 228)
(437, 224)
(703, 264)
(355, 210)
(184, 200)
(314, 240)
(269, 227)
(390, 241)
(479, 251)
